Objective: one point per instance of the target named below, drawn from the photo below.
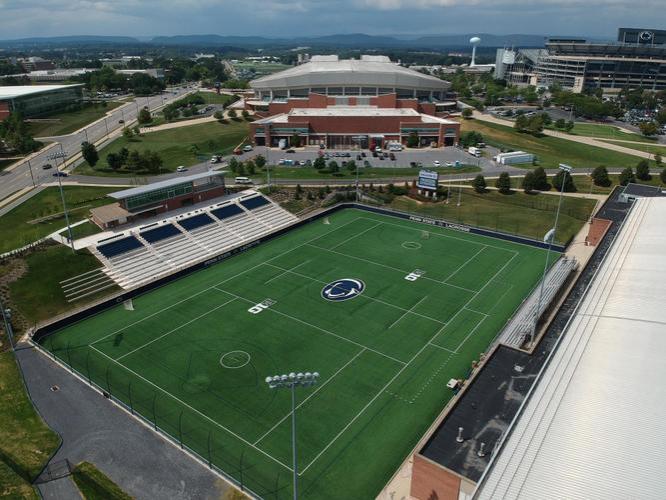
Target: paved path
(590, 141)
(93, 429)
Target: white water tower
(475, 40)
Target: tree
(218, 115)
(251, 167)
(662, 175)
(521, 123)
(134, 160)
(232, 113)
(152, 162)
(123, 154)
(145, 116)
(648, 128)
(569, 126)
(535, 125)
(528, 182)
(260, 162)
(351, 166)
(541, 179)
(658, 159)
(114, 161)
(503, 183)
(600, 176)
(89, 153)
(333, 166)
(245, 113)
(128, 134)
(564, 177)
(479, 184)
(627, 176)
(240, 169)
(295, 141)
(560, 123)
(643, 170)
(233, 165)
(467, 113)
(471, 138)
(413, 140)
(319, 163)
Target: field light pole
(62, 156)
(550, 237)
(7, 318)
(292, 381)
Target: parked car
(448, 164)
(366, 163)
(392, 156)
(181, 168)
(358, 157)
(412, 163)
(60, 174)
(436, 163)
(363, 154)
(290, 151)
(247, 148)
(242, 180)
(281, 161)
(121, 121)
(47, 166)
(302, 163)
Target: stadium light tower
(62, 155)
(549, 238)
(292, 381)
(475, 40)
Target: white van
(242, 180)
(395, 146)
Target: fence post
(154, 413)
(108, 384)
(210, 461)
(129, 395)
(180, 428)
(88, 367)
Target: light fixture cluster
(292, 379)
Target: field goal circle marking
(411, 245)
(240, 364)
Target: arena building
(351, 104)
(35, 100)
(636, 60)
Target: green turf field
(192, 358)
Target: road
(29, 172)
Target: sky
(284, 18)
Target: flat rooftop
(15, 91)
(352, 112)
(174, 181)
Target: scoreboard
(428, 180)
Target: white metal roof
(330, 71)
(594, 426)
(174, 181)
(353, 111)
(14, 91)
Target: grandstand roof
(14, 91)
(126, 193)
(322, 71)
(593, 426)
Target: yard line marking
(405, 367)
(442, 348)
(449, 236)
(274, 310)
(375, 299)
(464, 264)
(357, 235)
(407, 312)
(389, 267)
(175, 329)
(193, 409)
(319, 388)
(470, 334)
(223, 281)
(285, 272)
(477, 312)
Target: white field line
(464, 264)
(407, 312)
(470, 334)
(285, 272)
(448, 235)
(356, 235)
(405, 366)
(221, 282)
(175, 329)
(274, 310)
(477, 312)
(363, 295)
(193, 409)
(442, 348)
(389, 267)
(319, 388)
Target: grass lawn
(17, 232)
(174, 146)
(215, 98)
(95, 485)
(196, 358)
(37, 295)
(26, 442)
(602, 131)
(82, 230)
(550, 151)
(517, 213)
(67, 122)
(281, 172)
(650, 148)
(5, 163)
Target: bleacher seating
(227, 211)
(118, 247)
(256, 202)
(160, 233)
(192, 223)
(168, 248)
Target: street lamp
(7, 318)
(292, 381)
(358, 167)
(62, 155)
(549, 237)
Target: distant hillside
(70, 40)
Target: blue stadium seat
(120, 246)
(256, 202)
(197, 221)
(226, 212)
(160, 233)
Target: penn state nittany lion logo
(343, 289)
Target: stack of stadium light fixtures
(293, 379)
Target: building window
(368, 90)
(405, 93)
(352, 90)
(318, 90)
(385, 90)
(341, 101)
(298, 93)
(335, 91)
